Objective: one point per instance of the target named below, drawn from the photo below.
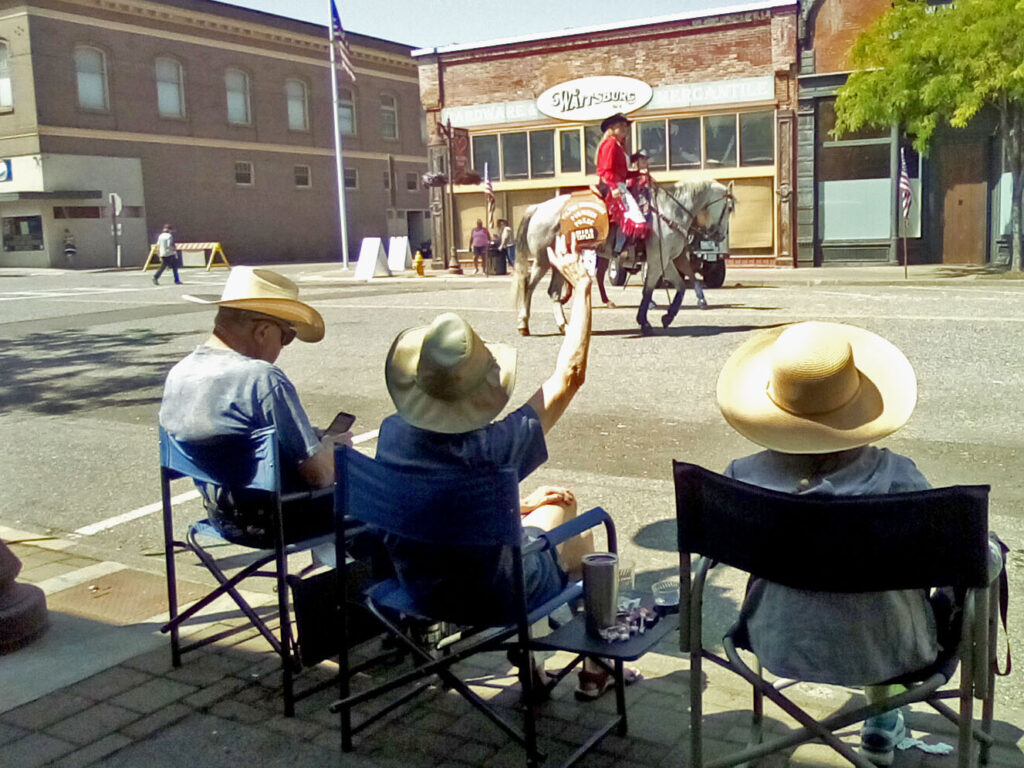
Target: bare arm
(555, 394)
(318, 469)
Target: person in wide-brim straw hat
(268, 293)
(816, 395)
(448, 386)
(230, 387)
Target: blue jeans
(510, 255)
(165, 262)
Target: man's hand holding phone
(339, 431)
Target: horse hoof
(646, 329)
(609, 305)
(666, 321)
(524, 331)
(561, 329)
(702, 304)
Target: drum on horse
(680, 213)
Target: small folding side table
(574, 638)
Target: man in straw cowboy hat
(816, 395)
(229, 387)
(448, 385)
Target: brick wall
(836, 25)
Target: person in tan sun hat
(816, 395)
(448, 385)
(230, 386)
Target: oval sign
(594, 98)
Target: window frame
(6, 81)
(246, 93)
(412, 181)
(104, 75)
(393, 109)
(355, 178)
(303, 85)
(309, 176)
(351, 103)
(252, 173)
(182, 108)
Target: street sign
(116, 203)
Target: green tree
(923, 66)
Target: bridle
(690, 232)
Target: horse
(679, 211)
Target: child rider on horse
(613, 171)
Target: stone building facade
(214, 118)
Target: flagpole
(338, 164)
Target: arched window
(298, 105)
(388, 116)
(236, 85)
(347, 111)
(170, 90)
(91, 72)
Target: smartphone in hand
(342, 423)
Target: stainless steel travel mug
(600, 590)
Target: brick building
(215, 118)
(847, 187)
(715, 98)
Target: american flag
(489, 194)
(340, 44)
(906, 192)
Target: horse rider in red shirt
(613, 171)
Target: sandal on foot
(542, 685)
(592, 685)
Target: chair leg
(988, 704)
(757, 709)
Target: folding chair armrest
(589, 519)
(310, 495)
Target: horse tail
(522, 243)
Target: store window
(170, 88)
(236, 87)
(6, 91)
(347, 111)
(513, 156)
(351, 178)
(651, 138)
(298, 104)
(22, 233)
(303, 180)
(485, 154)
(854, 187)
(757, 138)
(542, 154)
(91, 76)
(684, 143)
(720, 141)
(592, 140)
(243, 173)
(569, 146)
(388, 116)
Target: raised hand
(566, 259)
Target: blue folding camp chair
(220, 466)
(471, 512)
(932, 538)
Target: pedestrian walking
(506, 242)
(70, 249)
(168, 252)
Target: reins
(692, 228)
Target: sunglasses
(288, 333)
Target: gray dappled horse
(678, 213)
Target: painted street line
(148, 509)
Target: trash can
(494, 261)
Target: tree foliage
(923, 66)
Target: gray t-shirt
(217, 393)
(845, 639)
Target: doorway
(963, 185)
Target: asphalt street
(83, 356)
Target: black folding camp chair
(933, 538)
(221, 466)
(473, 511)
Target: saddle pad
(586, 215)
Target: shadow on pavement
(72, 370)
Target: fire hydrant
(417, 263)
